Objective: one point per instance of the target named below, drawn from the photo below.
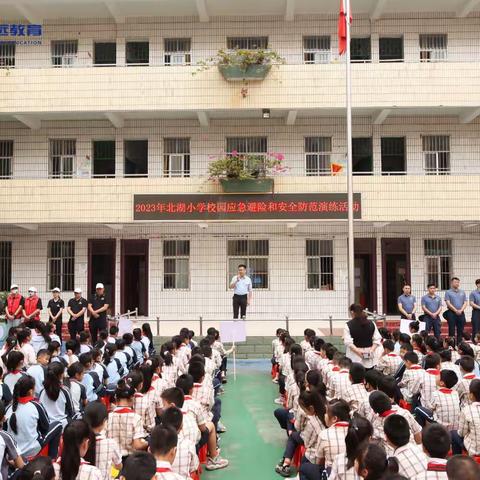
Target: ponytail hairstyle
(53, 380)
(147, 372)
(372, 457)
(24, 385)
(166, 352)
(74, 369)
(147, 331)
(156, 363)
(73, 436)
(53, 347)
(418, 340)
(287, 343)
(43, 330)
(359, 430)
(315, 382)
(95, 415)
(300, 378)
(309, 335)
(313, 399)
(296, 350)
(124, 391)
(358, 314)
(22, 335)
(137, 334)
(39, 469)
(109, 352)
(14, 360)
(135, 379)
(10, 342)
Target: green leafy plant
(241, 58)
(244, 166)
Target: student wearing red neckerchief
(467, 367)
(139, 466)
(389, 361)
(163, 445)
(445, 401)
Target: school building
(104, 112)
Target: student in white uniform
(14, 369)
(38, 371)
(139, 466)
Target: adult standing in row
(55, 309)
(242, 291)
(14, 307)
(432, 307)
(97, 307)
(456, 301)
(32, 306)
(407, 303)
(76, 308)
(475, 304)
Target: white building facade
(100, 102)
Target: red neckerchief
(415, 367)
(445, 390)
(123, 410)
(335, 369)
(25, 399)
(187, 397)
(197, 385)
(343, 371)
(15, 372)
(317, 353)
(392, 355)
(469, 376)
(138, 395)
(151, 389)
(386, 413)
(163, 470)
(436, 467)
(433, 371)
(340, 424)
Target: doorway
(101, 268)
(134, 283)
(365, 273)
(395, 271)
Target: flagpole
(351, 243)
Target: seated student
(186, 459)
(382, 406)
(313, 357)
(138, 346)
(426, 384)
(331, 441)
(71, 350)
(71, 465)
(101, 341)
(460, 467)
(372, 377)
(220, 348)
(411, 460)
(447, 363)
(308, 339)
(174, 397)
(341, 382)
(445, 403)
(371, 462)
(84, 340)
(143, 402)
(163, 445)
(41, 468)
(24, 337)
(203, 393)
(147, 339)
(55, 397)
(169, 369)
(419, 347)
(78, 392)
(54, 350)
(37, 371)
(406, 347)
(51, 330)
(93, 385)
(124, 425)
(133, 360)
(360, 430)
(40, 337)
(436, 445)
(139, 466)
(411, 376)
(112, 335)
(313, 405)
(5, 394)
(389, 361)
(467, 366)
(104, 452)
(207, 429)
(28, 423)
(9, 453)
(122, 356)
(357, 393)
(114, 367)
(14, 369)
(98, 367)
(468, 435)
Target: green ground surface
(254, 442)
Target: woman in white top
(361, 338)
(24, 336)
(71, 465)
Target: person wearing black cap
(76, 308)
(97, 308)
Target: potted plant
(246, 172)
(241, 65)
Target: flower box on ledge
(247, 185)
(236, 73)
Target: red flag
(336, 168)
(342, 29)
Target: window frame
(314, 51)
(8, 59)
(109, 175)
(437, 152)
(187, 54)
(320, 272)
(167, 157)
(63, 157)
(64, 284)
(425, 52)
(361, 37)
(137, 64)
(104, 64)
(6, 264)
(246, 259)
(442, 278)
(249, 40)
(383, 155)
(391, 60)
(176, 257)
(327, 154)
(135, 175)
(6, 158)
(70, 53)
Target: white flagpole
(351, 245)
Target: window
(61, 265)
(137, 53)
(438, 262)
(254, 146)
(247, 43)
(5, 266)
(391, 49)
(316, 49)
(6, 158)
(7, 54)
(62, 158)
(433, 48)
(178, 51)
(252, 253)
(176, 159)
(436, 154)
(319, 264)
(64, 52)
(136, 158)
(360, 49)
(393, 155)
(317, 155)
(105, 53)
(176, 264)
(104, 158)
(362, 155)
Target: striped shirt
(107, 454)
(332, 442)
(165, 472)
(469, 428)
(186, 460)
(339, 469)
(411, 460)
(389, 363)
(311, 436)
(446, 408)
(124, 426)
(436, 470)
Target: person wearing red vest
(32, 305)
(14, 307)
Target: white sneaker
(278, 401)
(216, 463)
(275, 380)
(221, 428)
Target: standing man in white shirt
(242, 291)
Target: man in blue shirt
(475, 304)
(407, 303)
(456, 301)
(432, 306)
(242, 291)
